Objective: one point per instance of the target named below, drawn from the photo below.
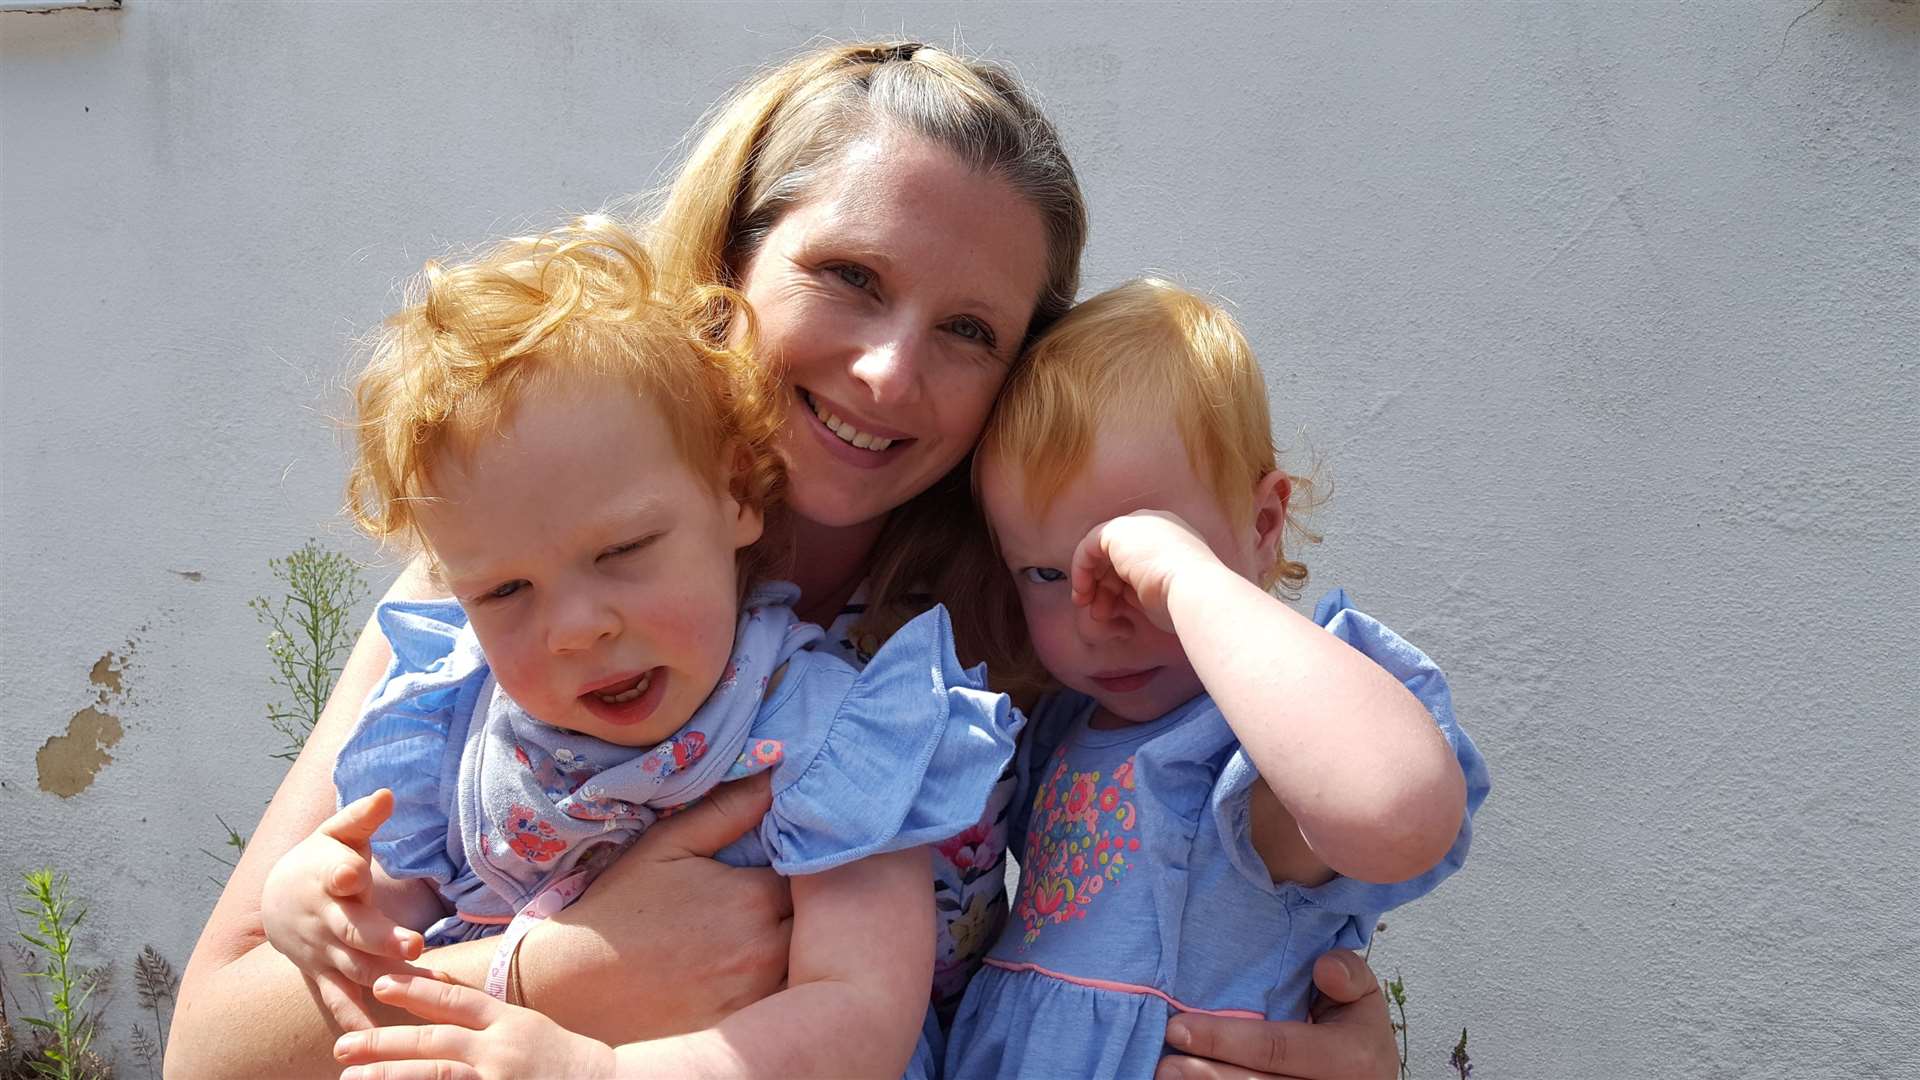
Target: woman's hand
(1350, 1037)
(670, 940)
(472, 1037)
(318, 912)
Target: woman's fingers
(364, 927)
(1350, 1040)
(725, 815)
(1342, 977)
(440, 1002)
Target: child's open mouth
(628, 700)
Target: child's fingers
(350, 876)
(440, 1002)
(342, 1000)
(355, 823)
(412, 1070)
(364, 927)
(1088, 566)
(440, 1045)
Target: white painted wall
(1603, 318)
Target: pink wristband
(551, 901)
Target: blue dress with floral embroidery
(1141, 893)
(903, 752)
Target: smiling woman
(903, 222)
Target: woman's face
(894, 301)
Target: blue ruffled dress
(1141, 892)
(902, 753)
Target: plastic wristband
(551, 901)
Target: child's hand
(1133, 560)
(473, 1037)
(316, 911)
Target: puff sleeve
(411, 733)
(901, 753)
(1423, 678)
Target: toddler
(589, 475)
(1223, 790)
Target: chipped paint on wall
(68, 763)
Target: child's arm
(861, 964)
(1350, 754)
(328, 908)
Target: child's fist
(1133, 560)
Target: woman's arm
(655, 911)
(857, 992)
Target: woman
(903, 221)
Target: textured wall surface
(1604, 321)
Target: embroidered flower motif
(966, 850)
(1074, 840)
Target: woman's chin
(837, 506)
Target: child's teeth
(847, 432)
(628, 695)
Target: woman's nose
(578, 624)
(890, 367)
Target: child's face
(597, 567)
(1135, 670)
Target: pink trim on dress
(1127, 988)
(485, 920)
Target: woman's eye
(856, 276)
(1043, 575)
(501, 592)
(973, 330)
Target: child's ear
(749, 520)
(1270, 495)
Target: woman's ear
(1270, 496)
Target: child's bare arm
(1351, 754)
(861, 964)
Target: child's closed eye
(504, 590)
(630, 547)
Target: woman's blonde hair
(478, 335)
(764, 151)
(1139, 351)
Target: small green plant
(1395, 990)
(1397, 995)
(1461, 1064)
(309, 630)
(65, 1032)
(235, 841)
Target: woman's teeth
(625, 696)
(847, 432)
